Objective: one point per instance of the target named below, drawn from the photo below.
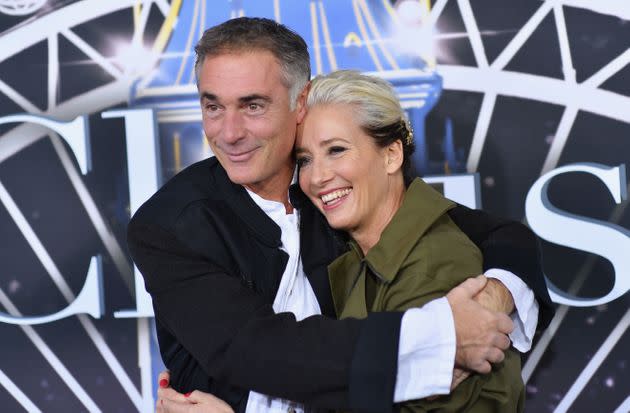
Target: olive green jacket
(420, 256)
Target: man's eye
(212, 111)
(254, 107)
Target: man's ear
(301, 102)
(394, 156)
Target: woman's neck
(367, 236)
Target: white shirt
(295, 294)
(427, 334)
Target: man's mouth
(241, 156)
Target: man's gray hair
(245, 34)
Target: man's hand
(496, 297)
(170, 401)
(481, 334)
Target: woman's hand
(170, 401)
(459, 375)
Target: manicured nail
(188, 394)
(163, 383)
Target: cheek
(303, 180)
(211, 129)
(350, 170)
(364, 176)
(264, 130)
(285, 125)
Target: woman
(353, 151)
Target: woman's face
(344, 173)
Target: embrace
(354, 289)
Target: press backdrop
(98, 108)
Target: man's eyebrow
(208, 96)
(253, 97)
(242, 100)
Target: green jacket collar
(420, 208)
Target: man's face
(247, 119)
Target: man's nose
(232, 127)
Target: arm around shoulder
(235, 337)
(508, 245)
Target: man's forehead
(251, 64)
(241, 74)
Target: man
(229, 273)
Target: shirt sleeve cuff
(426, 352)
(525, 317)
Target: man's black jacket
(212, 262)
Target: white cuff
(426, 353)
(525, 317)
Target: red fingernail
(163, 383)
(188, 394)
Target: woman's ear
(301, 103)
(394, 156)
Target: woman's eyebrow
(332, 140)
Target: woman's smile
(333, 198)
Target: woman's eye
(302, 161)
(336, 149)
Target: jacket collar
(420, 208)
(267, 231)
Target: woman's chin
(336, 223)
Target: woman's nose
(320, 173)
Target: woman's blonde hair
(375, 104)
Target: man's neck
(275, 189)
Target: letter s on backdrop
(598, 237)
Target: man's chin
(241, 179)
(241, 175)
